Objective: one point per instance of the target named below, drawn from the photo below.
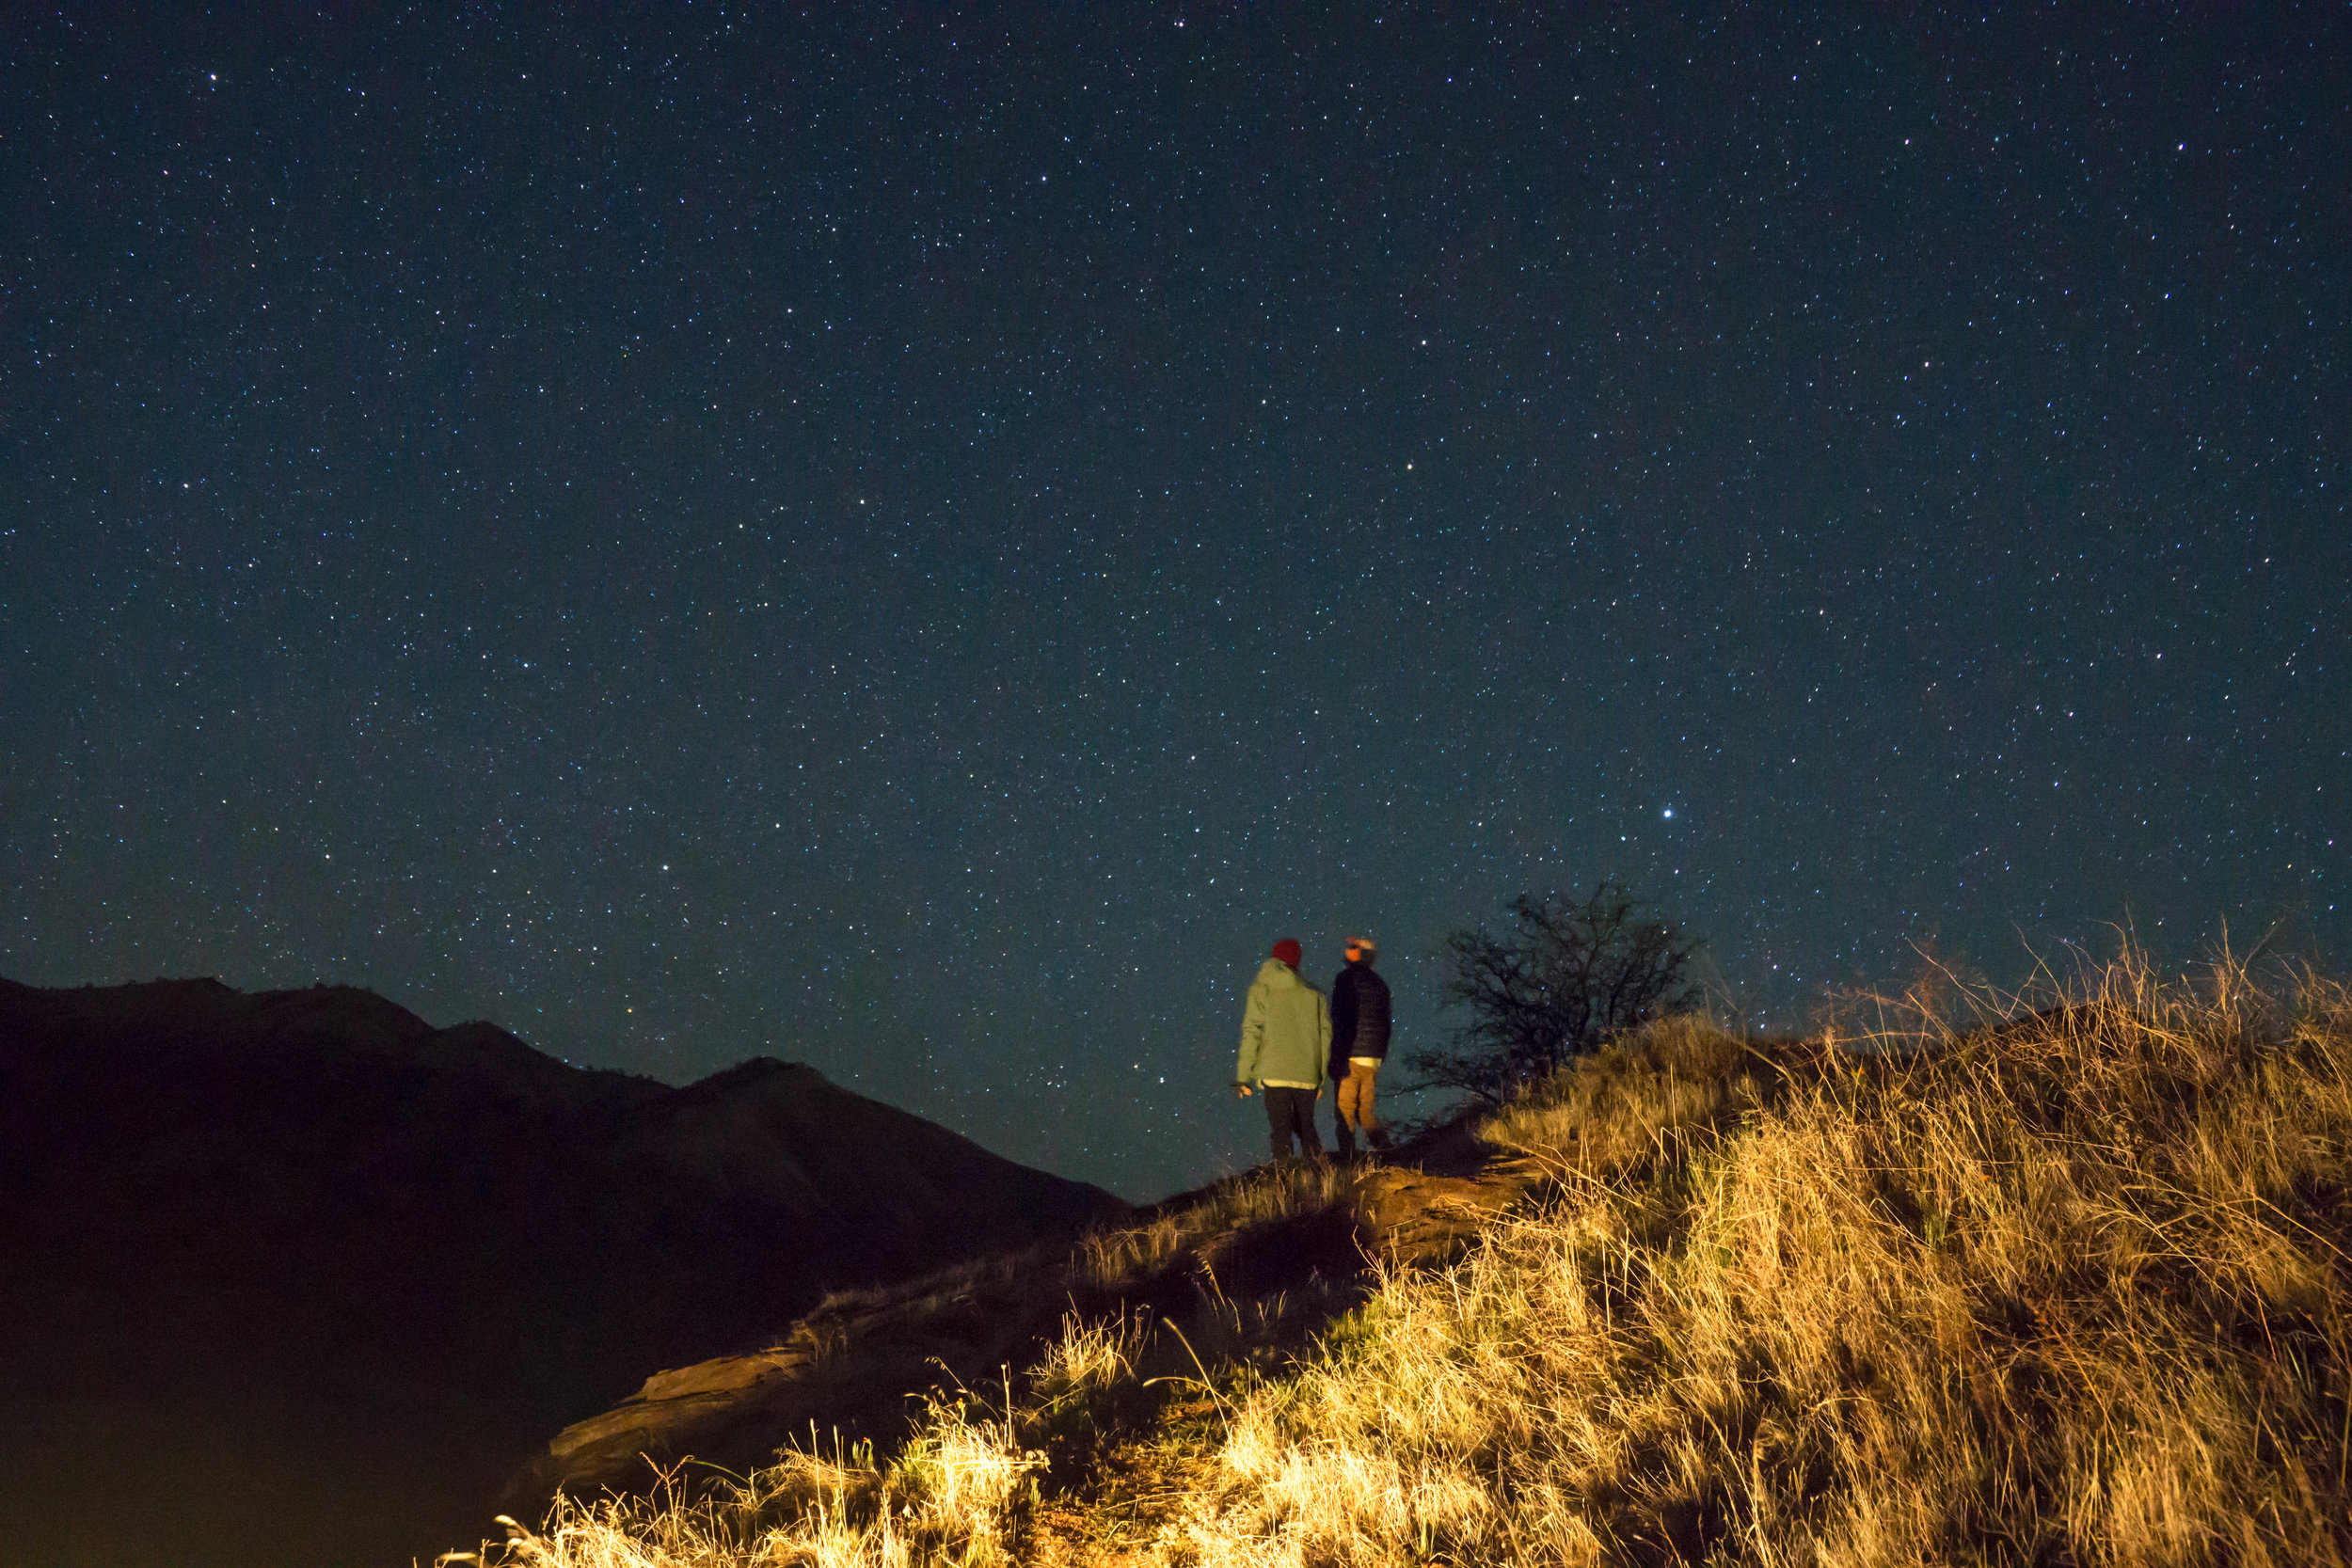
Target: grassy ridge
(2069, 1288)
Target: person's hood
(1282, 971)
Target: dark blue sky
(921, 543)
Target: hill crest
(2018, 1282)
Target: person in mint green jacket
(1285, 1042)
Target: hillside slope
(2068, 1286)
(1246, 1267)
(295, 1277)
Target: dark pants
(1292, 1112)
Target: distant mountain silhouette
(295, 1277)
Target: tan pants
(1355, 1097)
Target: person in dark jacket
(1360, 1043)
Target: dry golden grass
(1113, 1260)
(2071, 1288)
(951, 1495)
(1144, 1322)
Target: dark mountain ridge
(299, 1255)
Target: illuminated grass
(2070, 1289)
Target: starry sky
(919, 541)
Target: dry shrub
(1089, 1356)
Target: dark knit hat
(1288, 951)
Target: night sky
(920, 543)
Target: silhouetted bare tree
(1559, 980)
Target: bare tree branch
(1557, 982)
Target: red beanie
(1288, 951)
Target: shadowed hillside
(295, 1279)
(1252, 1267)
(2068, 1283)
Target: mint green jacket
(1285, 1029)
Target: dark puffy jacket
(1359, 1016)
